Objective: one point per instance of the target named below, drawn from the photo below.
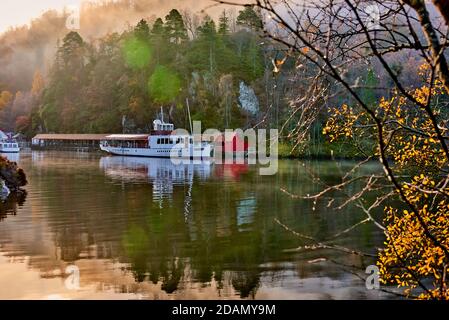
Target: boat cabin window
(171, 141)
(158, 126)
(164, 141)
(126, 143)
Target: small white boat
(8, 144)
(162, 142)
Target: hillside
(25, 49)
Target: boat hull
(193, 153)
(9, 150)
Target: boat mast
(190, 119)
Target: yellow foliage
(5, 99)
(410, 258)
(409, 255)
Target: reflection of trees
(158, 266)
(10, 205)
(136, 243)
(162, 244)
(246, 282)
(173, 277)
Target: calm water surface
(141, 228)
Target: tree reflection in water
(10, 205)
(164, 248)
(183, 231)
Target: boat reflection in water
(162, 173)
(14, 157)
(146, 228)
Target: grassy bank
(324, 150)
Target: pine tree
(208, 39)
(208, 30)
(72, 49)
(174, 25)
(159, 40)
(142, 30)
(223, 25)
(136, 49)
(158, 27)
(249, 18)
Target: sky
(15, 13)
(20, 12)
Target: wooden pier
(68, 142)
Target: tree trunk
(443, 6)
(435, 46)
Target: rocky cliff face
(248, 99)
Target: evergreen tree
(142, 30)
(223, 24)
(208, 30)
(159, 41)
(72, 50)
(175, 27)
(158, 27)
(249, 18)
(207, 41)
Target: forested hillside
(110, 78)
(121, 81)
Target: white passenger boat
(8, 144)
(162, 142)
